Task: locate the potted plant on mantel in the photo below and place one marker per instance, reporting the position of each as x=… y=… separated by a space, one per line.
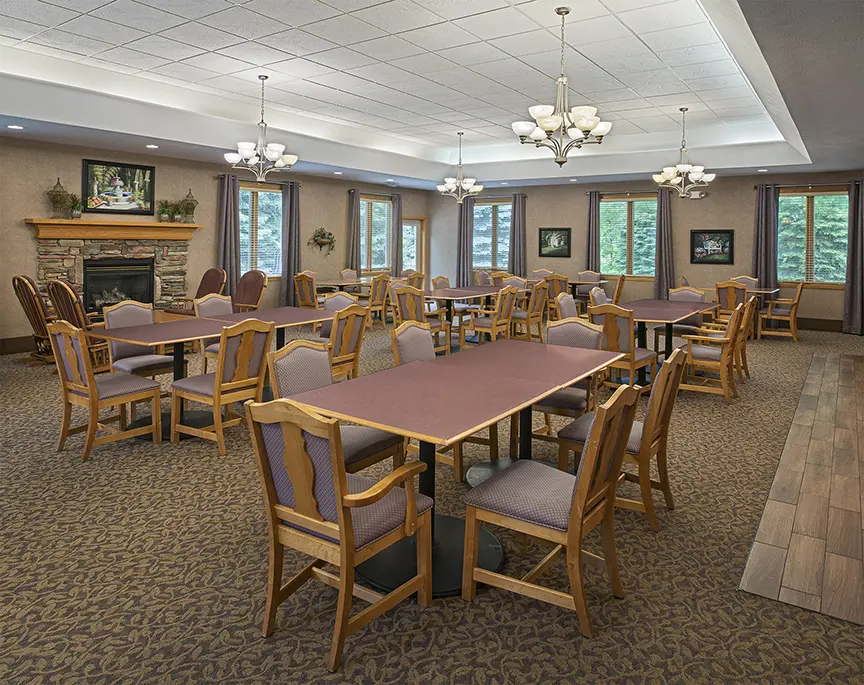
x=75 y=206
x=164 y=210
x=176 y=213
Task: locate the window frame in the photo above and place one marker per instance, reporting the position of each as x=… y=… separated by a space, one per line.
x=255 y=188
x=421 y=240
x=630 y=198
x=810 y=236
x=495 y=228
x=366 y=234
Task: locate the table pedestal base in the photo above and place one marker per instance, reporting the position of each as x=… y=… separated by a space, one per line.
x=484 y=470
x=397 y=564
x=195 y=419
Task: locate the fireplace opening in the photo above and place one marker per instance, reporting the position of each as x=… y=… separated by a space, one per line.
x=109 y=281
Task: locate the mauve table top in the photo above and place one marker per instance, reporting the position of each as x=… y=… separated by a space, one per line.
x=475 y=292
x=446 y=400
x=363 y=280
x=665 y=311
x=281 y=317
x=164 y=333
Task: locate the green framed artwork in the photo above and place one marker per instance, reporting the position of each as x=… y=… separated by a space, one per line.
x=117 y=188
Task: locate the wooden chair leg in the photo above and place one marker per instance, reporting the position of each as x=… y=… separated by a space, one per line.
x=121 y=417
x=514 y=435
x=399 y=457
x=744 y=361
x=563 y=457
x=493 y=441
x=132 y=411
x=274 y=585
x=607 y=537
x=343 y=612
x=577 y=590
x=458 y=467
x=663 y=472
x=175 y=416
x=219 y=430
x=92 y=427
x=461 y=338
x=64 y=425
x=793 y=325
x=156 y=409
x=547 y=420
x=424 y=559
x=540 y=329
x=469 y=557
x=647 y=496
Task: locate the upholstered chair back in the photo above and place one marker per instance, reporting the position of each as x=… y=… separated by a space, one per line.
x=378 y=292
x=505 y=303
x=557 y=285
x=69 y=344
x=242 y=353
x=617 y=323
x=685 y=294
x=730 y=294
x=121 y=315
x=300 y=366
x=333 y=302
x=440 y=283
x=498 y=278
x=684 y=282
x=348 y=274
x=346 y=336
x=250 y=290
x=32 y=304
x=541 y=273
x=409 y=304
x=747 y=281
x=213 y=305
x=537 y=302
x=304 y=289
x=412 y=341
x=584 y=290
x=597 y=296
x=567 y=308
x=415 y=280
x=67 y=304
x=483 y=278
x=516 y=282
x=575 y=332
x=213 y=281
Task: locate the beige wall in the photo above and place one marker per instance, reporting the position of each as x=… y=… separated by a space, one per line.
x=29 y=168
x=729 y=204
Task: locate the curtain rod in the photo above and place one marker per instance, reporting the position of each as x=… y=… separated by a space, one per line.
x=808 y=185
x=219 y=177
x=626 y=192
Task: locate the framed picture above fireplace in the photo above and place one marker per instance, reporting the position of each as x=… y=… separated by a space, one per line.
x=117 y=188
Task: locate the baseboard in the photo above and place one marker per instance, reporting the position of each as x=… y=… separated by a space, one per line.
x=830 y=325
x=17 y=345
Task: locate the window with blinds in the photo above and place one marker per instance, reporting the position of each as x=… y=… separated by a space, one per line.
x=628 y=234
x=812 y=236
x=491 y=246
x=376 y=215
x=261 y=229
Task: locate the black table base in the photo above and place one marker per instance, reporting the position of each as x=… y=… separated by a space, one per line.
x=484 y=470
x=397 y=564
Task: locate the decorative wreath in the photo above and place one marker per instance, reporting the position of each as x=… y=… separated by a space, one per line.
x=322 y=239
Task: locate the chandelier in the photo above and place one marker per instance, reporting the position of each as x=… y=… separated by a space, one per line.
x=262 y=157
x=580 y=124
x=683 y=177
x=460 y=187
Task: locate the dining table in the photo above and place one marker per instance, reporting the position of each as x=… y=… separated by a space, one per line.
x=343 y=283
x=423 y=401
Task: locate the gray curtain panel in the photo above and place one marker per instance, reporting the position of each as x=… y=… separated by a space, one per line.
x=765 y=235
x=853 y=302
x=396 y=234
x=290 y=241
x=228 y=231
x=517 y=261
x=465 y=244
x=352 y=260
x=593 y=250
x=664 y=277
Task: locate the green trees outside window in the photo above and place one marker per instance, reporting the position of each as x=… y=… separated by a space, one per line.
x=491 y=247
x=812 y=235
x=375 y=218
x=261 y=230
x=628 y=235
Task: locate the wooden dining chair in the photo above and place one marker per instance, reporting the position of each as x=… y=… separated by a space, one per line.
x=598 y=296
x=333 y=302
x=729 y=295
x=781 y=309
x=68 y=308
x=619 y=289
x=647 y=441
x=540 y=274
x=689 y=325
x=80 y=387
x=495 y=322
x=482 y=278
x=346 y=340
x=412 y=341
x=717 y=330
x=304 y=365
x=376 y=300
x=567 y=306
x=748 y=281
x=524 y=320
x=498 y=277
x=212 y=282
x=350 y=275
x=619 y=335
x=582 y=291
x=240 y=372
x=314 y=507
x=707 y=354
x=460 y=309
x=305 y=291
x=211 y=306
x=250 y=291
x=535 y=499
x=410 y=305
x=416 y=280
x=36 y=311
x=557 y=284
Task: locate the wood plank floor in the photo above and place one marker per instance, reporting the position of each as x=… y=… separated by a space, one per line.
x=809 y=548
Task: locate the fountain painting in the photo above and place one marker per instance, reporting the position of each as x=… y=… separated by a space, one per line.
x=115 y=188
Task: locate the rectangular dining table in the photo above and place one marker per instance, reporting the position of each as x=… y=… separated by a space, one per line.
x=418 y=401
x=342 y=283
x=282 y=318
x=474 y=292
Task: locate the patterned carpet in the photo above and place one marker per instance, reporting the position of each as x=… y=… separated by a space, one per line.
x=147 y=565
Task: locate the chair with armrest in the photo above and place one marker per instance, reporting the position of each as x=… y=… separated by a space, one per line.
x=68 y=307
x=314 y=507
x=36 y=311
x=706 y=353
x=211 y=306
x=619 y=289
x=250 y=291
x=305 y=292
x=689 y=325
x=495 y=322
x=729 y=295
x=557 y=284
x=498 y=277
x=213 y=281
x=717 y=330
x=376 y=299
x=619 y=335
x=567 y=306
x=80 y=387
x=482 y=278
x=524 y=320
x=304 y=365
x=240 y=372
x=747 y=281
x=781 y=309
x=460 y=309
x=416 y=280
x=346 y=340
x=539 y=500
x=582 y=291
x=540 y=274
x=350 y=275
x=410 y=305
x=333 y=302
x=647 y=440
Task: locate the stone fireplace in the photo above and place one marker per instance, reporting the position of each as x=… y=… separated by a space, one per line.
x=108 y=281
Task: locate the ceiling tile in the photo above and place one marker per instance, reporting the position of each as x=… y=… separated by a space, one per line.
x=163 y=47
x=184 y=72
x=693 y=107
x=293 y=12
x=398 y=15
x=344 y=30
x=439 y=37
x=17 y=28
x=642 y=113
x=694 y=54
x=387 y=48
x=627 y=5
x=140 y=16
x=99 y=29
x=622 y=128
x=678 y=100
x=543 y=11
x=711 y=94
x=733 y=103
x=244 y=23
x=161 y=78
x=50 y=52
x=342 y=58
x=624 y=105
x=191 y=9
x=669 y=15
x=132 y=58
x=426 y=63
x=254 y=53
x=299 y=68
x=70 y=42
x=476 y=53
x=507 y=67
x=218 y=63
x=614 y=95
x=684 y=37
x=709 y=82
x=619 y=66
x=454 y=9
x=528 y=43
x=350 y=5
x=381 y=73
x=202 y=36
x=109 y=66
x=738 y=111
x=79 y=5
x=233 y=84
x=616 y=48
x=36 y=12
x=586 y=31
x=498 y=23
x=297 y=42
x=654 y=124
x=748 y=119
x=722 y=67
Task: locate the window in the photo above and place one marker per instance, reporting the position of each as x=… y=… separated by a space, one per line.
x=412 y=236
x=628 y=234
x=261 y=229
x=375 y=217
x=492 y=235
x=812 y=233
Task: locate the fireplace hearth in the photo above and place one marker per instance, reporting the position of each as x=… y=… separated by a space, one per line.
x=109 y=281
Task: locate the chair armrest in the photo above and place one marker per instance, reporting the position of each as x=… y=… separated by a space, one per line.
x=93 y=315
x=404 y=474
x=246 y=307
x=705 y=338
x=97 y=324
x=781 y=300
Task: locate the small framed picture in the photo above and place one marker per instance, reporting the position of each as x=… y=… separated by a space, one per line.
x=712 y=247
x=117 y=188
x=554 y=242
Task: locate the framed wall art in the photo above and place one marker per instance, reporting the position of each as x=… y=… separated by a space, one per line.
x=712 y=247
x=554 y=242
x=117 y=188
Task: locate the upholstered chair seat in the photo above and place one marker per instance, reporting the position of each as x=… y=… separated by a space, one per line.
x=776 y=310
x=520 y=314
x=117 y=384
x=359 y=442
x=567 y=398
x=212 y=348
x=205 y=384
x=481 y=322
x=708 y=352
x=578 y=430
x=641 y=354
x=144 y=363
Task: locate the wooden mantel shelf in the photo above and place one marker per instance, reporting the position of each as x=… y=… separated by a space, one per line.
x=111 y=230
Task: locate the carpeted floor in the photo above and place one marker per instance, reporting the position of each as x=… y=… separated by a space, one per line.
x=147 y=565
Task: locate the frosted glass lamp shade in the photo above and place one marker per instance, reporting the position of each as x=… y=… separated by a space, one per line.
x=441 y=189
x=575 y=133
x=232 y=157
x=450 y=181
x=538 y=111
x=658 y=178
x=669 y=171
x=245 y=146
x=587 y=123
x=450 y=186
x=247 y=153
x=273 y=155
x=537 y=134
x=697 y=168
x=290 y=159
x=523 y=128
x=583 y=111
x=602 y=128
x=707 y=178
x=279 y=163
x=677 y=179
x=476 y=189
x=696 y=176
x=468 y=182
x=551 y=123
x=683 y=168
x=277 y=147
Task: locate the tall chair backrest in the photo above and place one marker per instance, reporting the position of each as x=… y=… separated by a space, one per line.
x=498 y=278
x=557 y=284
x=212 y=305
x=730 y=294
x=575 y=332
x=213 y=281
x=540 y=274
x=619 y=289
x=33 y=305
x=748 y=319
x=300 y=366
x=537 y=301
x=504 y=304
x=591 y=276
x=69 y=344
x=797 y=299
x=747 y=281
x=597 y=296
x=483 y=278
x=602 y=455
x=409 y=303
x=333 y=302
x=407 y=272
x=127 y=313
x=346 y=339
x=661 y=401
x=684 y=282
x=250 y=291
x=567 y=308
x=67 y=304
x=412 y=341
x=415 y=280
x=348 y=274
x=516 y=282
x=440 y=283
x=378 y=291
x=618 y=330
x=685 y=294
x=305 y=291
x=242 y=359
